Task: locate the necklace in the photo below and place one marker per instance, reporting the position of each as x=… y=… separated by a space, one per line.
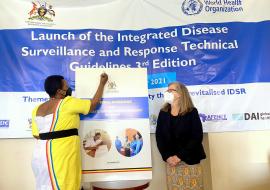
x=53 y=98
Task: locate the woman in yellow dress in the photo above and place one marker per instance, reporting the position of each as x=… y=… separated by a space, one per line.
x=56 y=159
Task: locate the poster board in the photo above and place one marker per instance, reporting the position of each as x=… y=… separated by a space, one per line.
x=121 y=123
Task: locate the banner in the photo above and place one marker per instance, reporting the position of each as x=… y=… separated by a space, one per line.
x=219 y=49
x=116 y=136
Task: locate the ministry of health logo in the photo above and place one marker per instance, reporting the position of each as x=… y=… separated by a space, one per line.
x=111 y=85
x=41 y=11
x=192 y=7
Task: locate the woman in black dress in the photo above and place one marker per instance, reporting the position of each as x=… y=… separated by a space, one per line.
x=179 y=138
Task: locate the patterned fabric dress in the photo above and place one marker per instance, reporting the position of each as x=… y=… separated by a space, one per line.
x=185 y=177
x=56 y=163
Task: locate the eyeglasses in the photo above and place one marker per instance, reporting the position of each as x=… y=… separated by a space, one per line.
x=171 y=90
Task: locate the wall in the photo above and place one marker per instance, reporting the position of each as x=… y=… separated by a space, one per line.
x=236 y=161
x=240 y=160
x=15 y=164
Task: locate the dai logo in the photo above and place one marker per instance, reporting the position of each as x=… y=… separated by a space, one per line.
x=252 y=116
x=41 y=12
x=192 y=7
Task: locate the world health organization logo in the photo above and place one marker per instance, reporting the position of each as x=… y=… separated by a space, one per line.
x=192 y=7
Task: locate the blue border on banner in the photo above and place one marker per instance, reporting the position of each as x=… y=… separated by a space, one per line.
x=120 y=109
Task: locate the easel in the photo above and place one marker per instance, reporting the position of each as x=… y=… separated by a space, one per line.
x=142 y=187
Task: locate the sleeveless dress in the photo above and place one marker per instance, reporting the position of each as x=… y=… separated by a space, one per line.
x=56 y=163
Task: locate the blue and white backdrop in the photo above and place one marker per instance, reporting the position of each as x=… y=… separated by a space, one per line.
x=218 y=48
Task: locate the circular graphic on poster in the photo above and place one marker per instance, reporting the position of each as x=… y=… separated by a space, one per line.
x=97 y=143
x=129 y=143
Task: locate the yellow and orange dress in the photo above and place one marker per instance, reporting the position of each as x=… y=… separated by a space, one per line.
x=56 y=163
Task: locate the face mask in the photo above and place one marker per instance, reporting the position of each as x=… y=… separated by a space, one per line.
x=168 y=97
x=68 y=92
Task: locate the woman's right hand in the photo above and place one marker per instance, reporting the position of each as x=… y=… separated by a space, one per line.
x=98 y=95
x=103 y=78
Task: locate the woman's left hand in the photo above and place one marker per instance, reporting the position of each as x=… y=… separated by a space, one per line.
x=176 y=160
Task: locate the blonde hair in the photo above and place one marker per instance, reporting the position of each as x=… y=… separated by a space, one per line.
x=186 y=104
